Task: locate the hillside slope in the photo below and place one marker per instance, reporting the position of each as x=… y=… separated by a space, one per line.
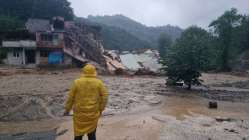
x=144 y=33
x=115 y=38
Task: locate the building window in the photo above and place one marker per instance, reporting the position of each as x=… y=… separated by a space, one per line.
x=56 y=37
x=16 y=54
x=46 y=37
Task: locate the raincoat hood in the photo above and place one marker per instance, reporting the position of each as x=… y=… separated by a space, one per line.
x=89 y=71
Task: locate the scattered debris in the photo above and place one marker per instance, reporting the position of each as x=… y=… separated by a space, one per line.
x=231 y=130
x=213 y=105
x=62 y=132
x=120 y=71
x=136 y=60
x=219 y=119
x=144 y=71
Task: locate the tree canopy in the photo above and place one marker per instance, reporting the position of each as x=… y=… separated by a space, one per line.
x=164 y=42
x=148 y=35
x=188 y=56
x=198 y=50
x=224 y=27
x=9 y=23
x=24 y=9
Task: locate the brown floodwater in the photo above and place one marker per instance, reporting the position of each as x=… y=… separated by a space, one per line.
x=180 y=107
x=139 y=124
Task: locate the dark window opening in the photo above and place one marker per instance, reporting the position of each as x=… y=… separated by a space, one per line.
x=56 y=37
x=30 y=56
x=44 y=53
x=16 y=54
x=46 y=37
x=58 y=24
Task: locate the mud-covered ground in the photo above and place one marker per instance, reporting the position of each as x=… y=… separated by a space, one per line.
x=139 y=108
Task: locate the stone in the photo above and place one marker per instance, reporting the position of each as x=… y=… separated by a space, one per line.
x=219 y=119
x=213 y=105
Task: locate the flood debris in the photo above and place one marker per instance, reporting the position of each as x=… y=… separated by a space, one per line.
x=191 y=128
x=146 y=60
x=145 y=71
x=213 y=105
x=222 y=119
x=62 y=132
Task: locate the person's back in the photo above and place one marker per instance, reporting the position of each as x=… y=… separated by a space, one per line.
x=88 y=97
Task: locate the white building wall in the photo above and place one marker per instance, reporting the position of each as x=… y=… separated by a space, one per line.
x=37 y=57
x=21 y=43
x=14 y=59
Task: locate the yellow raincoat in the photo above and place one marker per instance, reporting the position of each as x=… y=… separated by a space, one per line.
x=88 y=98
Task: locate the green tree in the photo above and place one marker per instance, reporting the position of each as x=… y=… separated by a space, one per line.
x=240 y=36
x=9 y=23
x=164 y=42
x=24 y=9
x=187 y=57
x=224 y=27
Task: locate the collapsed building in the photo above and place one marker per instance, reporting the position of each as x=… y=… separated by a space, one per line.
x=141 y=62
x=56 y=42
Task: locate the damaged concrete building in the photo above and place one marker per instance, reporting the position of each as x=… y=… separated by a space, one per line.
x=41 y=43
x=56 y=42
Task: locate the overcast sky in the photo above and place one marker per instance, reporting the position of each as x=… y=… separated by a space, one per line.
x=161 y=12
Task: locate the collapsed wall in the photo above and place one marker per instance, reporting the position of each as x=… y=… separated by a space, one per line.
x=84 y=43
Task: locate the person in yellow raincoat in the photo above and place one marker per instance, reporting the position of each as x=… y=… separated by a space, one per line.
x=88 y=97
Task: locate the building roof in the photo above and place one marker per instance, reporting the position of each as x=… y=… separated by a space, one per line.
x=38 y=25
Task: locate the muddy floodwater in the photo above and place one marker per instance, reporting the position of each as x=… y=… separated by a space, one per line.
x=180 y=107
x=139 y=108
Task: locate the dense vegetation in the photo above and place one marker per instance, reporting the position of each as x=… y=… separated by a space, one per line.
x=14 y=13
x=24 y=9
x=188 y=56
x=9 y=23
x=198 y=50
x=164 y=42
x=232 y=30
x=115 y=38
x=119 y=39
x=144 y=34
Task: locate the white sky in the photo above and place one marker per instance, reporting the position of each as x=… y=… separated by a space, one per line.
x=161 y=12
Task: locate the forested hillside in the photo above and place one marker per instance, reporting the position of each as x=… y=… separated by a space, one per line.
x=117 y=38
x=24 y=9
x=149 y=35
